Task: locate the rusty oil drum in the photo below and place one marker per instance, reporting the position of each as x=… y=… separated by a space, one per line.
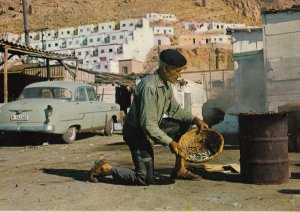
x=263 y=141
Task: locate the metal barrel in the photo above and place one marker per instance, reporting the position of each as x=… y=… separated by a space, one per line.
x=264 y=148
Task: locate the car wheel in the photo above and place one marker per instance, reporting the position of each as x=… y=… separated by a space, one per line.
x=70 y=135
x=109 y=127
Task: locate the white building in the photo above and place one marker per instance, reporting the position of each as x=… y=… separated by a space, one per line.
x=162 y=40
x=106 y=27
x=165 y=30
x=65 y=32
x=158 y=16
x=129 y=24
x=86 y=29
x=143 y=41
x=225 y=39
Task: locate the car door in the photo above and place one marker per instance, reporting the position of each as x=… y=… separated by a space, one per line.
x=99 y=109
x=84 y=107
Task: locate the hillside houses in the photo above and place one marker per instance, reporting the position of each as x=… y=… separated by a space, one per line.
x=100 y=47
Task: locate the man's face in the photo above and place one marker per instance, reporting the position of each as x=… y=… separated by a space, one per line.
x=172 y=73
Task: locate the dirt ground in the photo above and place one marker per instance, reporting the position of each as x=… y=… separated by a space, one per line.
x=55 y=177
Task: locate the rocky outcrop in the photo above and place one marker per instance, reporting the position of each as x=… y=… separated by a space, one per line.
x=252 y=8
x=248 y=8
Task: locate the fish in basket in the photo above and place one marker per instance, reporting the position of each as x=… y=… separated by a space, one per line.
x=201 y=146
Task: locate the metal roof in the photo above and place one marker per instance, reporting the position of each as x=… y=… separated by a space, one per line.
x=18 y=49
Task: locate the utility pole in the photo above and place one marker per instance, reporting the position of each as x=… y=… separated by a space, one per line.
x=26 y=31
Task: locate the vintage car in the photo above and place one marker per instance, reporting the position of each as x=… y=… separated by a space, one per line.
x=58 y=108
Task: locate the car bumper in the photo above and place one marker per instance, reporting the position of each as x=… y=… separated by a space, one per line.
x=28 y=128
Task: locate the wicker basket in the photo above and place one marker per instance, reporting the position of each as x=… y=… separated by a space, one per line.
x=201 y=146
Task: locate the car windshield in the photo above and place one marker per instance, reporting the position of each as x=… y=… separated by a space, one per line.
x=46 y=93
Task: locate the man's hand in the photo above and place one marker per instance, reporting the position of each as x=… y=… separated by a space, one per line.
x=177 y=149
x=202 y=126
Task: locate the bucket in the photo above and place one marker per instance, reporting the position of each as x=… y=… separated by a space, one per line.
x=264 y=148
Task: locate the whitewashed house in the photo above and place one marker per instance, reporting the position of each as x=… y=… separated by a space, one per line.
x=106 y=27
x=142 y=43
x=225 y=39
x=65 y=32
x=217 y=26
x=86 y=29
x=129 y=24
x=163 y=30
x=158 y=16
x=162 y=40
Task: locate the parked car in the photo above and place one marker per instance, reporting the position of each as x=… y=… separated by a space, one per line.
x=59 y=108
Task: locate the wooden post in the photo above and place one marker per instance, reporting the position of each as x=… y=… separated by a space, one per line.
x=5 y=76
x=48 y=69
x=76 y=71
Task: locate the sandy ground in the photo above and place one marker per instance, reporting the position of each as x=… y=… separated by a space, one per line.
x=55 y=177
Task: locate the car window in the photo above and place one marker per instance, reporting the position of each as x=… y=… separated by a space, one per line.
x=46 y=92
x=91 y=94
x=62 y=93
x=80 y=95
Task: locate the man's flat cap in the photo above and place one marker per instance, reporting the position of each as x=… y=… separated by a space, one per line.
x=172 y=57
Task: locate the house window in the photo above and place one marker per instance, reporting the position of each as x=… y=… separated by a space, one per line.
x=88 y=29
x=220 y=39
x=78 y=53
x=81 y=30
x=62 y=33
x=105 y=66
x=95 y=61
x=49 y=45
x=36 y=46
x=121 y=36
x=102 y=27
x=113 y=37
x=49 y=34
x=102 y=51
x=68 y=32
x=102 y=59
x=56 y=44
x=98 y=39
x=86 y=53
x=131 y=24
x=30 y=37
x=77 y=42
x=70 y=42
x=110 y=50
x=109 y=26
x=123 y=25
x=91 y=40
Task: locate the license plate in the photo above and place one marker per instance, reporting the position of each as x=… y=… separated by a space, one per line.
x=22 y=117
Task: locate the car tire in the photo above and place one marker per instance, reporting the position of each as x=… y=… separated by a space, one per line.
x=70 y=135
x=109 y=127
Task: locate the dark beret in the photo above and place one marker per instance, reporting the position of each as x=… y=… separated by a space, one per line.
x=172 y=57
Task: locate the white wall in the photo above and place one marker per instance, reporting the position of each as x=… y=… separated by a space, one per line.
x=142 y=43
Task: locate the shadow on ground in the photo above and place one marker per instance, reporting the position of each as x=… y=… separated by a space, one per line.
x=290 y=191
x=161 y=175
x=35 y=139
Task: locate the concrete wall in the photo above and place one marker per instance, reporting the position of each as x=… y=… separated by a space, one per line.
x=282 y=58
x=132 y=66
